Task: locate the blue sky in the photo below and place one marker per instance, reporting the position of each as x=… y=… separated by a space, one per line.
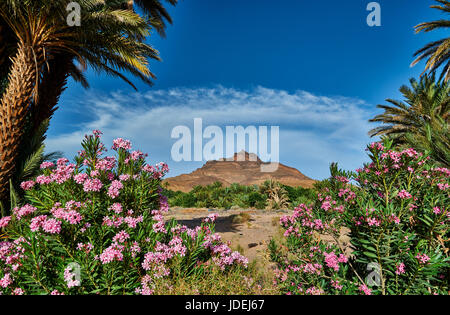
x=314 y=68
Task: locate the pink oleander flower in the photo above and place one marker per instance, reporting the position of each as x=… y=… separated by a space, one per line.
x=114 y=189
x=373 y=222
x=335 y=284
x=97 y=133
x=331 y=260
x=395 y=219
x=326 y=206
x=87 y=248
x=18 y=291
x=422 y=258
x=365 y=289
x=342 y=258
x=70 y=278
x=116 y=207
x=94 y=173
x=27 y=185
x=106 y=164
x=120 y=143
x=121 y=237
x=437 y=210
x=4 y=222
x=400 y=269
x=404 y=195
x=124 y=177
x=37 y=222
x=56 y=292
x=6 y=281
x=44 y=180
x=24 y=211
x=46 y=165
x=132 y=222
x=94 y=184
x=211 y=218
x=112 y=253
x=52 y=226
x=137 y=155
x=135 y=249
x=80 y=178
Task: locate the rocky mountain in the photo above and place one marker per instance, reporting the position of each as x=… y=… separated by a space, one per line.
x=244 y=169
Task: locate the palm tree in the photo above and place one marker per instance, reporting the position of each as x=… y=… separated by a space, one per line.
x=155 y=11
x=421 y=121
x=277 y=196
x=31 y=155
x=110 y=40
x=437 y=53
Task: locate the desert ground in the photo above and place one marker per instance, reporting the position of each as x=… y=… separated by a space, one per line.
x=248 y=230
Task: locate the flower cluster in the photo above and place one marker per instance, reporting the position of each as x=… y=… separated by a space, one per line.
x=106 y=214
x=392 y=214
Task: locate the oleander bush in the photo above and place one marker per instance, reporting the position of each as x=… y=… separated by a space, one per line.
x=395 y=211
x=96 y=226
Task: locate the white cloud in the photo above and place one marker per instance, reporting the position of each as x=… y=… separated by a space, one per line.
x=314 y=130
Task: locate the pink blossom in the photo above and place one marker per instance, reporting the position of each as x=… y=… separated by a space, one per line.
x=52 y=226
x=114 y=189
x=6 y=281
x=45 y=165
x=132 y=222
x=442 y=186
x=43 y=180
x=404 y=195
x=422 y=258
x=120 y=143
x=365 y=289
x=331 y=260
x=18 y=291
x=70 y=278
x=400 y=269
x=121 y=237
x=326 y=206
x=116 y=207
x=437 y=210
x=80 y=178
x=211 y=218
x=37 y=222
x=373 y=222
x=106 y=164
x=94 y=184
x=112 y=253
x=24 y=211
x=4 y=221
x=27 y=185
x=124 y=177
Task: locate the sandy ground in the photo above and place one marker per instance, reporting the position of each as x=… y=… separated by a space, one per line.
x=252 y=236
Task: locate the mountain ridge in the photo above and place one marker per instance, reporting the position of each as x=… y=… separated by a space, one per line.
x=243 y=168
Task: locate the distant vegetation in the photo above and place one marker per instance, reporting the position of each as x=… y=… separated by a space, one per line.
x=271 y=195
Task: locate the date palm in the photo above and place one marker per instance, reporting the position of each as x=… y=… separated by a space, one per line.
x=277 y=196
x=48 y=51
x=421 y=120
x=155 y=11
x=436 y=53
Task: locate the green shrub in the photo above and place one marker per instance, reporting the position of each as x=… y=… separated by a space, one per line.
x=97 y=227
x=396 y=213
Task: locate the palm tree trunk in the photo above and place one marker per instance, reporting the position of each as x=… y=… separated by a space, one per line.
x=2 y=46
x=52 y=85
x=14 y=107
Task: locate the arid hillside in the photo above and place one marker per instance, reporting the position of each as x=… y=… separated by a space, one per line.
x=244 y=169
